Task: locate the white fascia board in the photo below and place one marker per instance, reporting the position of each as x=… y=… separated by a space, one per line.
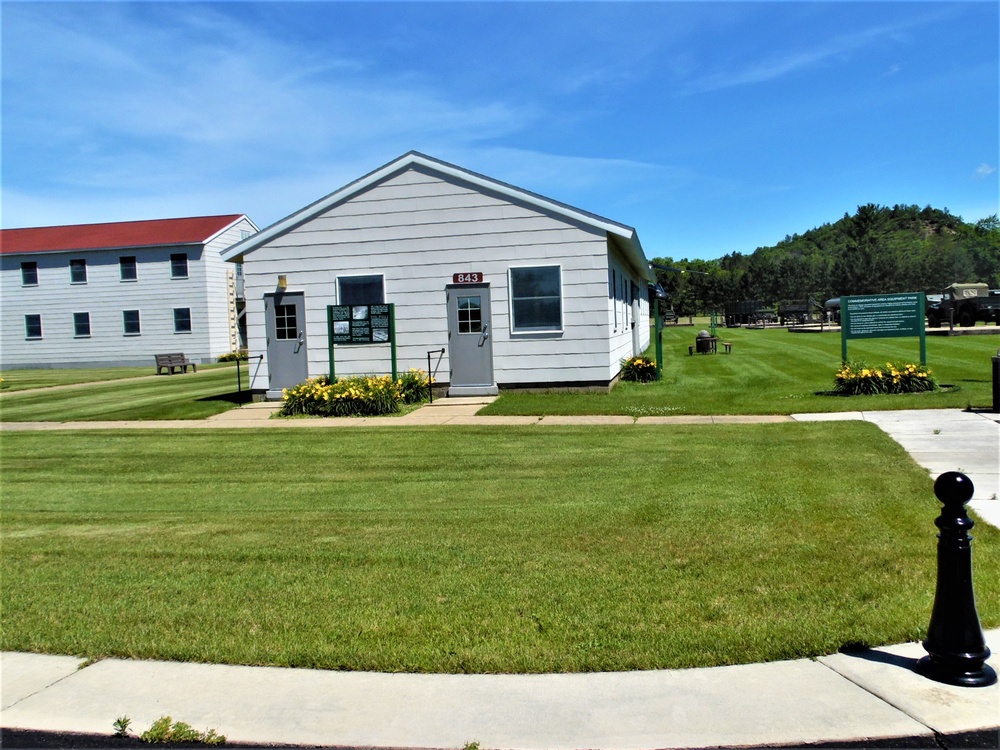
x=230 y=226
x=414 y=158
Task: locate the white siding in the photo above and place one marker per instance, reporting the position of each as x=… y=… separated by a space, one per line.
x=418 y=228
x=105 y=296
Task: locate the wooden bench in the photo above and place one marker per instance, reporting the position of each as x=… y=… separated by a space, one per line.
x=171 y=362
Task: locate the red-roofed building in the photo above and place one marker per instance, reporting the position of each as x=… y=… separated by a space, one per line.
x=116 y=294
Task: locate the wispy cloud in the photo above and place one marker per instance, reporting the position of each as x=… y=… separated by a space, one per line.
x=129 y=99
x=770 y=66
x=985 y=170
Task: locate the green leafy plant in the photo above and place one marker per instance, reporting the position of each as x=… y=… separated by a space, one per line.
x=414 y=385
x=240 y=354
x=638 y=370
x=121 y=726
x=356 y=396
x=859 y=379
x=165 y=730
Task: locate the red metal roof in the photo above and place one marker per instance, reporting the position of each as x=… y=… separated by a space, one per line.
x=194 y=230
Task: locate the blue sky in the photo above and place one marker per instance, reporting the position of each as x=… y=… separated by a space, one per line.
x=711 y=127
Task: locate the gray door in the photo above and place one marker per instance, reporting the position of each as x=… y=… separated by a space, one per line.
x=470 y=344
x=287 y=356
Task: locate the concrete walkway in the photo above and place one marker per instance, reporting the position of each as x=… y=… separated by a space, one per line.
x=839 y=697
x=834 y=698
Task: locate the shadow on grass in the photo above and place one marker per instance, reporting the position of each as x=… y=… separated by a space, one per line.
x=234 y=397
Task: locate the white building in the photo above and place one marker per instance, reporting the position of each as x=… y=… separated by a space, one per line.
x=517 y=289
x=117 y=294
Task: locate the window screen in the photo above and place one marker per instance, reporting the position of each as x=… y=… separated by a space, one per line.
x=81 y=324
x=29 y=273
x=78 y=271
x=130 y=322
x=361 y=290
x=179 y=266
x=127 y=268
x=32 y=326
x=182 y=320
x=536 y=298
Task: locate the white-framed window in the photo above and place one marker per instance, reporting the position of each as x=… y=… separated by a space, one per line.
x=32 y=326
x=29 y=273
x=535 y=299
x=361 y=290
x=127 y=268
x=81 y=325
x=130 y=323
x=182 y=320
x=78 y=271
x=178 y=265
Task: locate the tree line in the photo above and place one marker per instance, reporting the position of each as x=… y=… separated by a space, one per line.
x=878 y=250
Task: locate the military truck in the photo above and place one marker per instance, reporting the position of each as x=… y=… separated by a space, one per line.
x=965 y=304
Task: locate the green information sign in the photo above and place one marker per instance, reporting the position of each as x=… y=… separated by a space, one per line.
x=883 y=316
x=361 y=324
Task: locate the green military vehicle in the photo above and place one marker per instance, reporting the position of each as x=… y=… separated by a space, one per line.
x=965 y=305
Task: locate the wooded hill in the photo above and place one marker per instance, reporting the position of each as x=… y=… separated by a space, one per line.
x=877 y=250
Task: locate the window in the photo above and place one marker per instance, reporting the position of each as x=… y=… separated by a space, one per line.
x=182 y=320
x=470 y=315
x=536 y=299
x=130 y=322
x=81 y=324
x=286 y=325
x=178 y=265
x=78 y=271
x=32 y=326
x=29 y=273
x=361 y=290
x=612 y=290
x=127 y=270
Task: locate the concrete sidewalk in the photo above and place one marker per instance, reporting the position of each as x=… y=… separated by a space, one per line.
x=839 y=697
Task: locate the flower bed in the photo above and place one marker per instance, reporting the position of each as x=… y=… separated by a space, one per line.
x=356 y=396
x=638 y=370
x=859 y=378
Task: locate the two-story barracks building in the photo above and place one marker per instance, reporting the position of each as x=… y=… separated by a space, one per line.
x=117 y=294
x=518 y=290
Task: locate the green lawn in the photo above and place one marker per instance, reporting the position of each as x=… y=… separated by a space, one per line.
x=471 y=549
x=211 y=390
x=775 y=372
x=19 y=380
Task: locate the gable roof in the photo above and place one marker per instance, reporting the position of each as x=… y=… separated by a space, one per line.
x=196 y=230
x=625 y=237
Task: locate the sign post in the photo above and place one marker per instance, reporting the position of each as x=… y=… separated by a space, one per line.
x=883 y=316
x=361 y=324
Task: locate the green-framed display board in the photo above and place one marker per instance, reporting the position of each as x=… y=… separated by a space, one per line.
x=355 y=325
x=883 y=316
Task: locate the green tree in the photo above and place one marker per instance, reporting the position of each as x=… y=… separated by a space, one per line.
x=866 y=266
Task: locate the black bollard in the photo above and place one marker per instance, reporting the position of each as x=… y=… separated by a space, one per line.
x=956 y=648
